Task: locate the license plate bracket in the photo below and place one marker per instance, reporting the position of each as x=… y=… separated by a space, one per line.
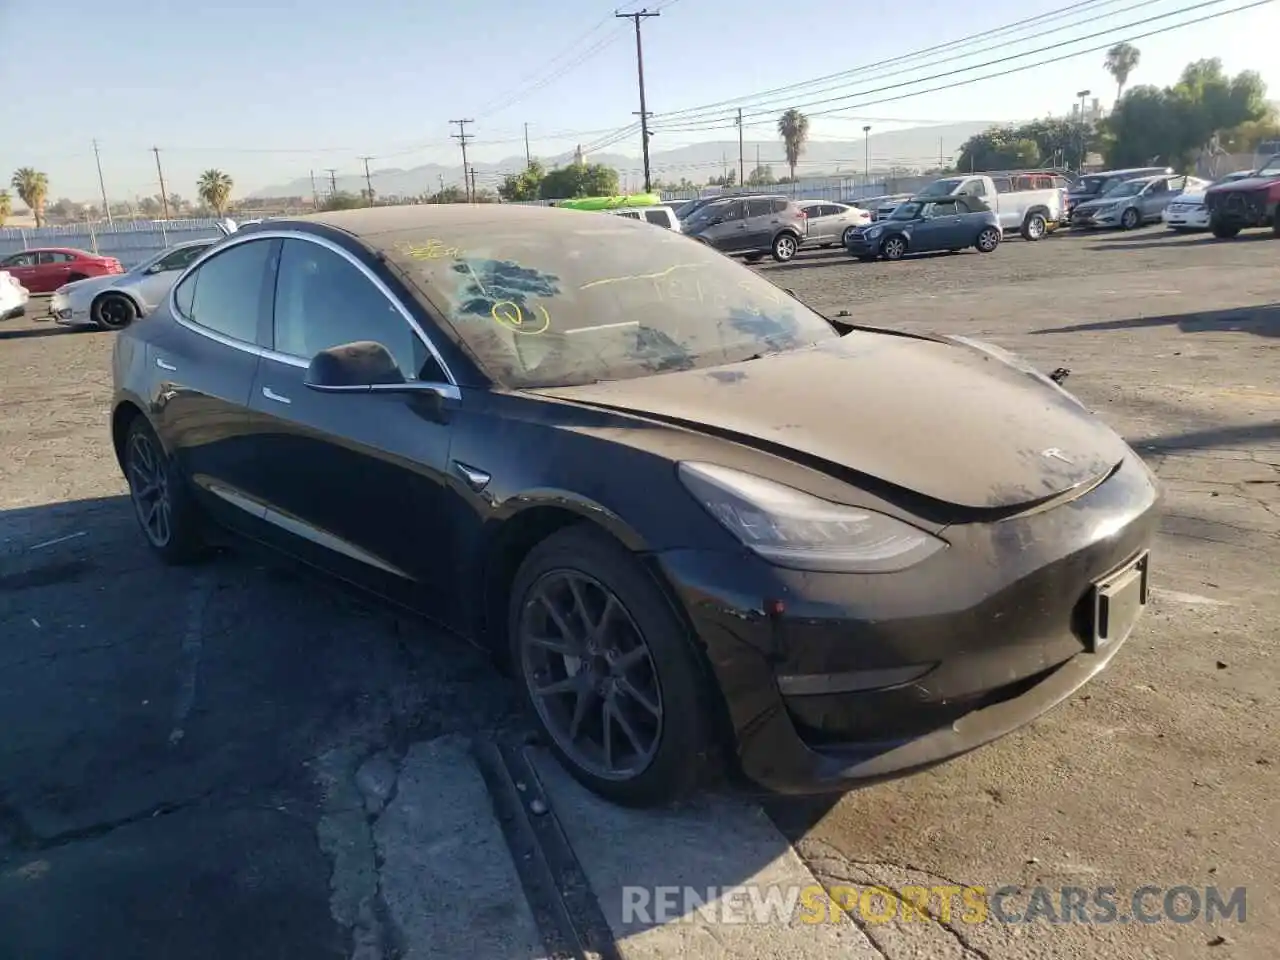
x=1118 y=602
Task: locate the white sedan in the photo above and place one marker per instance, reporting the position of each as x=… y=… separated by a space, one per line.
x=13 y=296
x=1188 y=211
x=828 y=222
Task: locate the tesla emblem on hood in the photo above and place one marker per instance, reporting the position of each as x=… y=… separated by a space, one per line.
x=1055 y=454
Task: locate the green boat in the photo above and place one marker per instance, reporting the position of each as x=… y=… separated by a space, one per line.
x=612 y=203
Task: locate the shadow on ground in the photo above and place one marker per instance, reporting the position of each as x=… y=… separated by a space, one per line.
x=1261 y=321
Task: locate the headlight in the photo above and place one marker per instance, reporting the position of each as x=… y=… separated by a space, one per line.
x=873 y=233
x=1019 y=364
x=792 y=529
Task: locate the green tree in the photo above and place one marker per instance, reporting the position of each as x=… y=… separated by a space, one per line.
x=6 y=206
x=214 y=190
x=342 y=200
x=32 y=187
x=1122 y=60
x=761 y=176
x=579 y=180
x=999 y=148
x=793 y=128
x=525 y=185
x=724 y=180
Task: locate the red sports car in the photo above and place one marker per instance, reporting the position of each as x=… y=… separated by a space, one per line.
x=46 y=269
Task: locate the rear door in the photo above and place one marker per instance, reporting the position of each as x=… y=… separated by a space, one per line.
x=54 y=268
x=154 y=286
x=22 y=266
x=1153 y=198
x=204 y=367
x=356 y=483
x=761 y=223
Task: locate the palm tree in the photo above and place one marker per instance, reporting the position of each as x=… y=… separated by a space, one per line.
x=793 y=127
x=33 y=188
x=214 y=189
x=6 y=206
x=1121 y=61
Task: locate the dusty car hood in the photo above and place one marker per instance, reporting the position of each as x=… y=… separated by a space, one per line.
x=944 y=421
x=1252 y=183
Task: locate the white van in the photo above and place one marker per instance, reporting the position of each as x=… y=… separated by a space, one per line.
x=662 y=216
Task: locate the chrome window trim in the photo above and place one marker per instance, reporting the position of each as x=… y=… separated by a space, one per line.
x=260 y=351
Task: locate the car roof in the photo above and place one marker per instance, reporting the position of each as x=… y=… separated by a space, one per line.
x=85 y=253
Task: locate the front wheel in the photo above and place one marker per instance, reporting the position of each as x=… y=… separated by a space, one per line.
x=608 y=670
x=114 y=311
x=894 y=248
x=1224 y=231
x=844 y=238
x=168 y=517
x=1130 y=219
x=1034 y=227
x=988 y=240
x=784 y=247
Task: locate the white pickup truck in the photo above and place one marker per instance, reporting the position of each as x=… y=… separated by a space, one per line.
x=1033 y=202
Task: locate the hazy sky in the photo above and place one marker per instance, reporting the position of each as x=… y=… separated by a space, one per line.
x=269 y=90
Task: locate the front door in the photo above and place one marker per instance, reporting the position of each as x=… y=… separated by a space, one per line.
x=730 y=233
x=940 y=229
x=354 y=483
x=160 y=276
x=203 y=369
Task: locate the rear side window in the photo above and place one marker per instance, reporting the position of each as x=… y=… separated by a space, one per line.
x=225 y=294
x=659 y=217
x=780 y=205
x=760 y=207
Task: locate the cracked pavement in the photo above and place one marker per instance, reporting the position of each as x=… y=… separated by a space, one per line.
x=240 y=760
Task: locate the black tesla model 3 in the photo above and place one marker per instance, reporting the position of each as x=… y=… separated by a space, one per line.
x=700 y=521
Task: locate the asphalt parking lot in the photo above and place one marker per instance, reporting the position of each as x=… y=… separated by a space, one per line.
x=239 y=760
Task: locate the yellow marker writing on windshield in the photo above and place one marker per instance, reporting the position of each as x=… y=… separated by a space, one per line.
x=508 y=314
x=433 y=249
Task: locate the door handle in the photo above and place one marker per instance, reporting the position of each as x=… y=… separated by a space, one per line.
x=272 y=395
x=164 y=364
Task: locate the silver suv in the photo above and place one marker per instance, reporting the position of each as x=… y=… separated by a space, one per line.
x=752 y=226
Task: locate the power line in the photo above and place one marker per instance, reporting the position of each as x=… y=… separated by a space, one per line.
x=1054 y=48
x=929 y=53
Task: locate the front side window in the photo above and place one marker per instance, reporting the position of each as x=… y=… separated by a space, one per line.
x=179 y=259
x=20 y=260
x=589 y=299
x=225 y=293
x=323 y=300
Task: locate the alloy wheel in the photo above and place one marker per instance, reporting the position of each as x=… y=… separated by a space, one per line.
x=590 y=675
x=894 y=248
x=149 y=490
x=114 y=312
x=1035 y=228
x=1130 y=219
x=987 y=240
x=784 y=248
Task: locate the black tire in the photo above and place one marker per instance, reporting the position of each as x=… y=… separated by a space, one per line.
x=866 y=259
x=185 y=542
x=987 y=240
x=1131 y=219
x=753 y=257
x=684 y=748
x=1224 y=231
x=785 y=247
x=893 y=247
x=113 y=311
x=1034 y=227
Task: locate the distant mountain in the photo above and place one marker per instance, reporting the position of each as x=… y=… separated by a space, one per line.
x=910 y=148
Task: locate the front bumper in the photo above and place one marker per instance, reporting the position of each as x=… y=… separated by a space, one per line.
x=859 y=246
x=1095 y=218
x=67 y=313
x=862 y=678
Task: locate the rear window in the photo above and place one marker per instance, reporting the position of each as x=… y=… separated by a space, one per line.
x=540 y=304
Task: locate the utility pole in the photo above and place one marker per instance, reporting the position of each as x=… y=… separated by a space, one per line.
x=644 y=111
x=866 y=154
x=742 y=167
x=473 y=185
x=164 y=194
x=440 y=195
x=368 y=180
x=333 y=181
x=1082 y=94
x=106 y=207
x=528 y=156
x=315 y=194
x=463 y=137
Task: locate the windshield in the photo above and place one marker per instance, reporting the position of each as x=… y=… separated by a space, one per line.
x=1125 y=188
x=940 y=188
x=907 y=211
x=605 y=299
x=707 y=212
x=1271 y=168
x=688 y=207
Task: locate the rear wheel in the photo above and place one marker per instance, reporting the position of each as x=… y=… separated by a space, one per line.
x=608 y=670
x=1034 y=227
x=1224 y=231
x=988 y=240
x=114 y=311
x=844 y=239
x=785 y=247
x=1130 y=219
x=893 y=248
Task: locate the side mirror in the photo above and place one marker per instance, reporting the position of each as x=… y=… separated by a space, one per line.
x=354 y=367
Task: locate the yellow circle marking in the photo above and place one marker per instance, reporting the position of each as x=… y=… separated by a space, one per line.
x=507 y=314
